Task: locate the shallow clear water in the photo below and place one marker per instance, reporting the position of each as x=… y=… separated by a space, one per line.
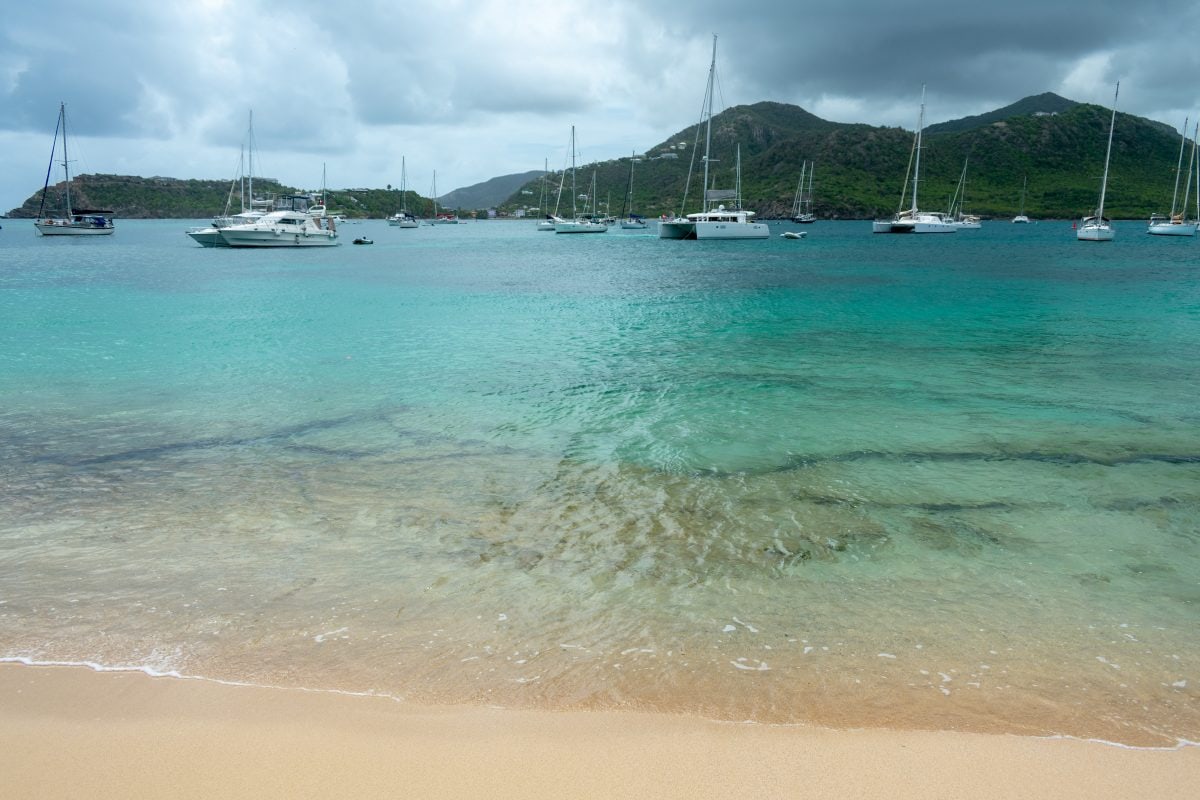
x=943 y=482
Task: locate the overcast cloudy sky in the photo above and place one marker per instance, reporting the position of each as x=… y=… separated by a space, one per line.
x=479 y=89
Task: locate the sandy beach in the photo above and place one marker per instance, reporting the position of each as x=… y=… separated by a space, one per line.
x=71 y=732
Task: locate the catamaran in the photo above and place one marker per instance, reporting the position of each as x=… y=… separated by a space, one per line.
x=912 y=220
x=715 y=221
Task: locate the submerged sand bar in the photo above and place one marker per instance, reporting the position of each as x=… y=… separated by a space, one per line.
x=72 y=732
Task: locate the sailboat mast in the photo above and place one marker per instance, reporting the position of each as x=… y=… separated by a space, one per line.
x=1188 y=187
x=1108 y=153
x=1178 y=167
x=917 y=164
x=403 y=187
x=62 y=110
x=250 y=151
x=574 y=191
x=708 y=101
x=808 y=201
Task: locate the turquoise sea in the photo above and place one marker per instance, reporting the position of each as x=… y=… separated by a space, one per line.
x=946 y=482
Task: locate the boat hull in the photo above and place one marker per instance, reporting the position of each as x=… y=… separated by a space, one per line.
x=731 y=230
x=912 y=226
x=270 y=238
x=208 y=237
x=1020 y=219
x=579 y=226
x=1172 y=229
x=677 y=229
x=1095 y=233
x=59 y=228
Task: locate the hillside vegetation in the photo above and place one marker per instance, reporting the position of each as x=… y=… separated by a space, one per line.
x=860 y=170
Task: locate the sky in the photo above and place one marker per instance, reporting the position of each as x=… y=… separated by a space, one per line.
x=479 y=89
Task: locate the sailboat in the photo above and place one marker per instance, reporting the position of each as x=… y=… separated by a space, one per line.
x=802 y=204
x=1175 y=224
x=578 y=224
x=211 y=236
x=714 y=222
x=75 y=221
x=912 y=220
x=955 y=213
x=631 y=221
x=403 y=219
x=1096 y=228
x=1021 y=218
x=547 y=222
x=440 y=219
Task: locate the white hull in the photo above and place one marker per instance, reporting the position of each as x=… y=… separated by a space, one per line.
x=921 y=224
x=731 y=230
x=545 y=225
x=403 y=223
x=281 y=229
x=209 y=237
x=236 y=238
x=579 y=226
x=1021 y=219
x=1172 y=229
x=677 y=229
x=1095 y=233
x=636 y=225
x=61 y=228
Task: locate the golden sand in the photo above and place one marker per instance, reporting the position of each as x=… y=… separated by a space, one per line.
x=71 y=732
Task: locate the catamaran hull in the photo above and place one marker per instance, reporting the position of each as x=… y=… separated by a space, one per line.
x=732 y=230
x=676 y=229
x=905 y=226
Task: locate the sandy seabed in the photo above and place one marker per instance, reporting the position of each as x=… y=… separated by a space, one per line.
x=72 y=732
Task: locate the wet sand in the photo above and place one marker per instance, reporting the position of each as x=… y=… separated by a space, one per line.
x=70 y=732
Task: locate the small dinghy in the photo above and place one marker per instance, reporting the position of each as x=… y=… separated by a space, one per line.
x=364 y=240
x=794 y=234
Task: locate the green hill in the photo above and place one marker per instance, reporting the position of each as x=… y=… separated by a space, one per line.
x=489 y=193
x=860 y=169
x=132 y=197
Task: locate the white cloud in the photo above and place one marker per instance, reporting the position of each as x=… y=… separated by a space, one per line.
x=478 y=89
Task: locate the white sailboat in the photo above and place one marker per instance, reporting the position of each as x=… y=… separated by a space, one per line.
x=955 y=213
x=440 y=219
x=403 y=219
x=244 y=182
x=1021 y=218
x=1096 y=228
x=75 y=221
x=802 y=203
x=912 y=220
x=546 y=223
x=578 y=224
x=1176 y=224
x=629 y=220
x=714 y=222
